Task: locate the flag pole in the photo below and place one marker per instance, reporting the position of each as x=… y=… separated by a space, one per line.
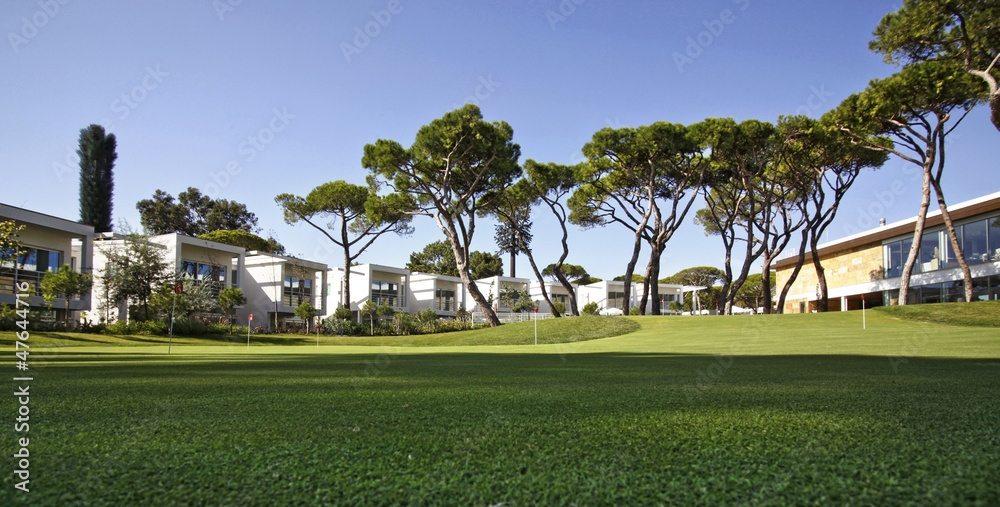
x=864 y=321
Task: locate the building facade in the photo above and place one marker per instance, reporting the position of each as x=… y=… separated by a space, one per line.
x=869 y=265
x=275 y=287
x=49 y=242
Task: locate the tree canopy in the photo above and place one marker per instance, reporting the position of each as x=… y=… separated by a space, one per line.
x=452 y=170
x=437 y=258
x=965 y=32
x=193 y=214
x=245 y=240
x=97 y=162
x=357 y=217
x=10 y=246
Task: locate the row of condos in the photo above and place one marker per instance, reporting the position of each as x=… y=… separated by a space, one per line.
x=413 y=292
x=274 y=285
x=868 y=266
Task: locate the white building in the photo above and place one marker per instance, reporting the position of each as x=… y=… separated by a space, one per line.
x=380 y=284
x=445 y=294
x=195 y=261
x=611 y=294
x=275 y=287
x=49 y=242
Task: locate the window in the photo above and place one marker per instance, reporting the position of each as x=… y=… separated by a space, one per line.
x=950 y=259
x=616 y=300
x=296 y=291
x=30 y=267
x=975 y=242
x=994 y=243
x=444 y=300
x=386 y=293
x=930 y=252
x=894 y=257
x=953 y=292
x=980 y=289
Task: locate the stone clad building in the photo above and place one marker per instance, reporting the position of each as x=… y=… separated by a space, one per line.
x=869 y=264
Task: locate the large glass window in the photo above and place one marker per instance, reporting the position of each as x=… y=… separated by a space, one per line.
x=994 y=245
x=386 y=293
x=994 y=287
x=29 y=267
x=980 y=289
x=975 y=242
x=953 y=292
x=296 y=291
x=950 y=258
x=930 y=252
x=616 y=300
x=894 y=257
x=444 y=300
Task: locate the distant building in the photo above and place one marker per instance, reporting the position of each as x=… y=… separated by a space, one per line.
x=870 y=264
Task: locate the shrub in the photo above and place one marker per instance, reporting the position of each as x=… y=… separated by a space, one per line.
x=559 y=307
x=148 y=328
x=342 y=313
x=634 y=311
x=589 y=309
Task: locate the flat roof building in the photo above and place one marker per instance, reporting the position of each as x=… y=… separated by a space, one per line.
x=869 y=264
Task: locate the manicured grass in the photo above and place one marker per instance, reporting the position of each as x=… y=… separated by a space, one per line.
x=549 y=331
x=798 y=409
x=976 y=313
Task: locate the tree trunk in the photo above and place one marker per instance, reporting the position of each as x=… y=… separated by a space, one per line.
x=953 y=237
x=541 y=284
x=995 y=110
x=823 y=304
x=918 y=232
x=513 y=270
x=765 y=285
x=627 y=297
x=574 y=310
x=654 y=285
x=795 y=271
x=346 y=296
x=462 y=263
x=645 y=288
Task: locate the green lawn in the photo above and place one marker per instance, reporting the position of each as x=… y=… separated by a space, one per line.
x=797 y=409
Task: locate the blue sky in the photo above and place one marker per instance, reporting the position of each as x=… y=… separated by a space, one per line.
x=247 y=99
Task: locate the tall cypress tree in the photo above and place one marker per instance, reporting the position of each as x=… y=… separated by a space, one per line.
x=97 y=162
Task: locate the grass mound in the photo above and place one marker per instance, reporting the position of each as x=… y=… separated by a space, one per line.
x=550 y=331
x=976 y=313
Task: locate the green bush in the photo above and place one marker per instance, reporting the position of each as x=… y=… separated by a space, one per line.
x=148 y=328
x=342 y=313
x=634 y=311
x=337 y=327
x=589 y=309
x=559 y=307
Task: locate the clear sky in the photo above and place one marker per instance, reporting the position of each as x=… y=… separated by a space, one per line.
x=286 y=94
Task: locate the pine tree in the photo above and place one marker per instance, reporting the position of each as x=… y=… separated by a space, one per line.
x=97 y=161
